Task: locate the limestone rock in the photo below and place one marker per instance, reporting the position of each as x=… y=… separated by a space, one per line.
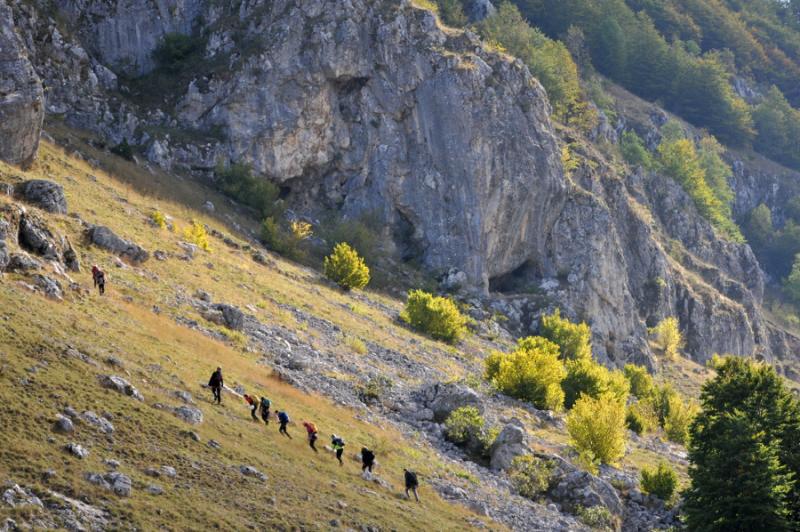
x=77 y=450
x=21 y=96
x=49 y=286
x=120 y=385
x=509 y=444
x=18 y=496
x=46 y=195
x=105 y=238
x=190 y=414
x=63 y=425
x=100 y=423
x=22 y=262
x=4 y=256
x=250 y=471
x=444 y=398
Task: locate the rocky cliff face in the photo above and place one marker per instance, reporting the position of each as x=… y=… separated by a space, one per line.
x=371 y=107
x=21 y=97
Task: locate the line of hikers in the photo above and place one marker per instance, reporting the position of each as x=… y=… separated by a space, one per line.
x=263 y=405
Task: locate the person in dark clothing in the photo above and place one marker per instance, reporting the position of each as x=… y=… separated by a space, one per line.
x=99 y=278
x=312 y=434
x=283 y=419
x=412 y=483
x=250 y=400
x=367 y=459
x=338 y=445
x=216 y=383
x=265 y=404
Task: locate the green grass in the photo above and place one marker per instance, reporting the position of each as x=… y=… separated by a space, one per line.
x=209 y=489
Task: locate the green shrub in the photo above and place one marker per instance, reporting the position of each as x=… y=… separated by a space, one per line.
x=273 y=236
x=660 y=481
x=792 y=283
x=533 y=372
x=530 y=476
x=464 y=425
x=574 y=339
x=640 y=380
x=634 y=151
x=598 y=518
x=124 y=150
x=360 y=234
x=452 y=13
x=596 y=428
x=158 y=219
x=374 y=389
x=641 y=418
x=679 y=419
x=346 y=268
x=585 y=376
x=174 y=49
x=668 y=337
x=197 y=235
x=437 y=316
x=238 y=182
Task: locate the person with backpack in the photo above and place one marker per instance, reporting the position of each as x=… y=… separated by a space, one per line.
x=99 y=278
x=216 y=383
x=265 y=404
x=312 y=434
x=412 y=483
x=367 y=459
x=338 y=445
x=250 y=400
x=283 y=420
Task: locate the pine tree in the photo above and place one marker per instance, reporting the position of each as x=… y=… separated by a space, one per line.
x=744 y=452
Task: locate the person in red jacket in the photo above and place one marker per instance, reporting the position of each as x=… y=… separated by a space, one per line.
x=312 y=434
x=99 y=278
x=253 y=405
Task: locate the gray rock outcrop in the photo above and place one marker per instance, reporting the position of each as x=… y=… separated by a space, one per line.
x=443 y=398
x=190 y=414
x=118 y=384
x=21 y=95
x=44 y=194
x=105 y=238
x=509 y=444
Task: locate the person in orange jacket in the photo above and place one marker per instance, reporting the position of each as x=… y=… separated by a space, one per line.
x=253 y=405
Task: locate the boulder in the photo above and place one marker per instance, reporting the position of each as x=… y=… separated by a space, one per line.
x=21 y=96
x=46 y=195
x=49 y=286
x=509 y=444
x=37 y=238
x=114 y=481
x=234 y=318
x=250 y=471
x=112 y=382
x=571 y=487
x=190 y=414
x=63 y=425
x=18 y=496
x=22 y=262
x=104 y=238
x=4 y=256
x=444 y=398
x=77 y=450
x=98 y=422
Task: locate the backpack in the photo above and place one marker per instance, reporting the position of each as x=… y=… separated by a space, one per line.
x=283 y=417
x=338 y=442
x=411 y=478
x=312 y=427
x=265 y=403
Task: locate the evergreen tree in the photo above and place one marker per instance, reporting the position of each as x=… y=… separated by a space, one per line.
x=744 y=452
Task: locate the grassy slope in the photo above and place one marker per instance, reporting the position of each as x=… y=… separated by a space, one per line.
x=209 y=488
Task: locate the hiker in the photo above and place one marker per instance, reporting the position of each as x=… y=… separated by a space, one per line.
x=253 y=405
x=367 y=459
x=411 y=483
x=265 y=404
x=312 y=434
x=216 y=383
x=283 y=419
x=99 y=278
x=338 y=445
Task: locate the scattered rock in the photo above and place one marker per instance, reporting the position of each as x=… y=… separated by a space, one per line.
x=50 y=287
x=113 y=464
x=63 y=425
x=214 y=444
x=37 y=238
x=114 y=481
x=192 y=435
x=153 y=489
x=443 y=398
x=509 y=444
x=160 y=255
x=250 y=471
x=18 y=496
x=104 y=238
x=77 y=450
x=152 y=472
x=189 y=414
x=120 y=385
x=169 y=471
x=184 y=396
x=44 y=194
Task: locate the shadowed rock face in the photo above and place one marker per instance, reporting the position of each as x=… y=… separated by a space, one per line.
x=21 y=96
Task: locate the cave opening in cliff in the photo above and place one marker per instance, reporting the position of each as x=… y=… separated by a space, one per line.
x=520 y=280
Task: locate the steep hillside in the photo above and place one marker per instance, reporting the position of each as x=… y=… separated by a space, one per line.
x=311 y=348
